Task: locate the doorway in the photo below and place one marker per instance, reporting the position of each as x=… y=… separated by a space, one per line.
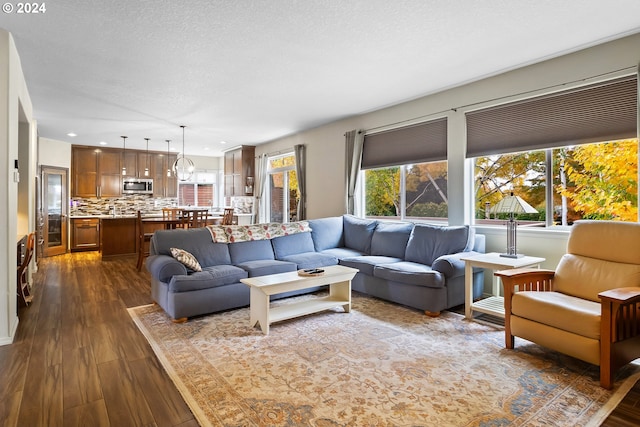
x=54 y=210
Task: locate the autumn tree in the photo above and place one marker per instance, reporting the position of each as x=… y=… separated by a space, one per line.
x=520 y=173
x=603 y=180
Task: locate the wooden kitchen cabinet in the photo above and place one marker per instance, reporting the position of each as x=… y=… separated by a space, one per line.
x=95 y=172
x=238 y=165
x=85 y=234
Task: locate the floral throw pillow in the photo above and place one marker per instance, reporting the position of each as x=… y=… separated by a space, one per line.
x=186 y=258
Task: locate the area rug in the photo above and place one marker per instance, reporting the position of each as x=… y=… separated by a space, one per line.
x=382 y=364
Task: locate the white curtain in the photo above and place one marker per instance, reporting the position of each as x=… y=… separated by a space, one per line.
x=301 y=173
x=260 y=187
x=354 y=141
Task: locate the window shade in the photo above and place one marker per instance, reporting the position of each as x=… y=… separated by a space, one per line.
x=595 y=113
x=425 y=142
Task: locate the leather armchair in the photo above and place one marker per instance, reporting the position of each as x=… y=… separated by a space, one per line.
x=589 y=307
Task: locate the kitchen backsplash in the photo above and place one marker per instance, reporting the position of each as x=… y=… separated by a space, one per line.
x=130 y=204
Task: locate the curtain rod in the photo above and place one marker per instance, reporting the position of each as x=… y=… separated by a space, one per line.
x=455 y=109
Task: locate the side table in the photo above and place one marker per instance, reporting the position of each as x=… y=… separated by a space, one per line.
x=494 y=304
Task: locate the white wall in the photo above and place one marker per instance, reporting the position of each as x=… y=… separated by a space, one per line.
x=326 y=153
x=18 y=141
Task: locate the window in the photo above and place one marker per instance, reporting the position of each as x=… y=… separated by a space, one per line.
x=282 y=191
x=199 y=192
x=408 y=191
x=405 y=171
x=571 y=154
x=588 y=181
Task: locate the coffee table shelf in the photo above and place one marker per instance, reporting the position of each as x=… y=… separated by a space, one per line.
x=302 y=308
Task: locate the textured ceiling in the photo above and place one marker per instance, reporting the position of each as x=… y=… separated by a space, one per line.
x=250 y=71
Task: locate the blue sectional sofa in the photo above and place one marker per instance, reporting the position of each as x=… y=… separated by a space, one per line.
x=417 y=265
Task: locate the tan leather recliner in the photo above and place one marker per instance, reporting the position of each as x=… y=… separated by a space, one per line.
x=589 y=307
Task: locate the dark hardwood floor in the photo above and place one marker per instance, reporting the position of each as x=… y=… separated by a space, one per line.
x=79 y=360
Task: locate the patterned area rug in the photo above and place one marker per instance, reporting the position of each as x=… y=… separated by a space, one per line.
x=380 y=365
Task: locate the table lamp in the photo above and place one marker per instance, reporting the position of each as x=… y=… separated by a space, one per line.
x=512 y=205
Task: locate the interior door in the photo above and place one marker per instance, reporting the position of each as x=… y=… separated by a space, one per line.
x=55 y=210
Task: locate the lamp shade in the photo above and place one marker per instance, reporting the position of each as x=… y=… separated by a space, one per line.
x=513 y=204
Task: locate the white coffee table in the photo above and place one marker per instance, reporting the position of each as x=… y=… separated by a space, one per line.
x=338 y=278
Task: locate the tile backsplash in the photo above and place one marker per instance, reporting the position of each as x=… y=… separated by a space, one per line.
x=130 y=204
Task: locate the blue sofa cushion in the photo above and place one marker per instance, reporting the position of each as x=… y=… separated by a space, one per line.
x=390 y=239
x=358 y=233
x=250 y=251
x=264 y=267
x=196 y=241
x=292 y=244
x=411 y=273
x=428 y=242
x=311 y=260
x=327 y=232
x=341 y=253
x=209 y=277
x=366 y=264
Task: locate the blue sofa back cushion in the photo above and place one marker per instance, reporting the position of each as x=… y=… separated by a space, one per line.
x=196 y=241
x=252 y=250
x=390 y=239
x=358 y=233
x=292 y=244
x=428 y=242
x=327 y=233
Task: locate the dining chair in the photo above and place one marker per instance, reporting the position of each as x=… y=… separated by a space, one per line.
x=174 y=214
x=196 y=218
x=23 y=272
x=227 y=217
x=143 y=241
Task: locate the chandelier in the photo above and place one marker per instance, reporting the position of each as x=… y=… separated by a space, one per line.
x=183 y=167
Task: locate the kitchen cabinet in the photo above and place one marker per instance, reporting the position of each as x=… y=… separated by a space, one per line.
x=118 y=236
x=239 y=164
x=95 y=172
x=85 y=234
x=163 y=185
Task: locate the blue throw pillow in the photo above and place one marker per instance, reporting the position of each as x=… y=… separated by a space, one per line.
x=358 y=233
x=428 y=242
x=390 y=239
x=327 y=233
x=292 y=244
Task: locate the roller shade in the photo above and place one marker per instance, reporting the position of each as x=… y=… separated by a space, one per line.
x=424 y=142
x=599 y=112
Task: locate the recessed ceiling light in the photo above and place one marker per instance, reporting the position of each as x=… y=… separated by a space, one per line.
x=223 y=142
x=72 y=134
x=206 y=148
x=103 y=143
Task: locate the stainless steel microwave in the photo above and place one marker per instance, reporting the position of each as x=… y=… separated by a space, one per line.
x=133 y=185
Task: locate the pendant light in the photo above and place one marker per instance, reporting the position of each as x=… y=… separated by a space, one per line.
x=124 y=155
x=168 y=154
x=183 y=167
x=146 y=167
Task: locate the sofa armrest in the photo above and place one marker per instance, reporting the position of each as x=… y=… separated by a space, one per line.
x=451 y=265
x=164 y=267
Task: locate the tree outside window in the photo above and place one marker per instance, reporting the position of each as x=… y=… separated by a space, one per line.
x=417 y=191
x=590 y=181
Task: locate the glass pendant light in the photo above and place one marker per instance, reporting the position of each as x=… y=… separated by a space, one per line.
x=146 y=168
x=168 y=154
x=183 y=167
x=124 y=155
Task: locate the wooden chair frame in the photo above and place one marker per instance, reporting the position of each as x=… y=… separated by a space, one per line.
x=23 y=272
x=619 y=318
x=227 y=217
x=143 y=242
